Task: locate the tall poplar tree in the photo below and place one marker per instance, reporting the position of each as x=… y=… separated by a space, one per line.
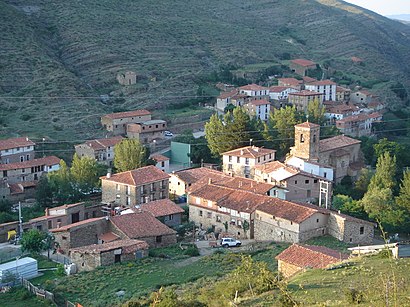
x=129 y=154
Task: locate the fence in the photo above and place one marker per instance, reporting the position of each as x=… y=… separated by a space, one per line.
x=37 y=291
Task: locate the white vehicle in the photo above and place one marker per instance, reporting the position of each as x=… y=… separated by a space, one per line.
x=168 y=133
x=230 y=242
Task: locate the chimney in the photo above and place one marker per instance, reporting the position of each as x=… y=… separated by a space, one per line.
x=210 y=181
x=108 y=175
x=241 y=152
x=27 y=139
x=47 y=212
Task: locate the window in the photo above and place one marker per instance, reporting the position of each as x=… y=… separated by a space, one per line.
x=324 y=174
x=230 y=167
x=200 y=213
x=296 y=182
x=307 y=181
x=21 y=158
x=302 y=138
x=158 y=239
x=218 y=218
x=308 y=193
x=128 y=201
x=50 y=224
x=317 y=220
x=270 y=156
x=246 y=161
x=28 y=157
x=361 y=230
x=273 y=217
x=230 y=158
x=209 y=215
x=238 y=160
x=128 y=190
x=170 y=217
x=314 y=138
x=118 y=187
x=64 y=238
x=198 y=200
x=315 y=181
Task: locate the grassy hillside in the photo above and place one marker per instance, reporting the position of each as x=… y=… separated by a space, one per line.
x=64 y=55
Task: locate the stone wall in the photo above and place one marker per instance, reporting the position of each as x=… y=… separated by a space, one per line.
x=267 y=232
x=176 y=220
x=165 y=240
x=85 y=261
x=287 y=269
x=350 y=231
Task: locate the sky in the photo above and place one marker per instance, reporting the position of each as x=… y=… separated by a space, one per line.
x=384 y=7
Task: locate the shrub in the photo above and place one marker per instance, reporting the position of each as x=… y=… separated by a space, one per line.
x=192 y=251
x=354 y=296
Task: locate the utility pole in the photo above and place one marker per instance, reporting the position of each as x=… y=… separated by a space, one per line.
x=20 y=222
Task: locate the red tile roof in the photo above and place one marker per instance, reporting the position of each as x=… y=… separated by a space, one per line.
x=140 y=225
x=303 y=62
x=108 y=237
x=342 y=89
x=290 y=81
x=128 y=246
x=192 y=175
x=340 y=109
x=252 y=152
x=139 y=176
x=162 y=207
x=99 y=144
x=78 y=224
x=359 y=118
x=336 y=142
x=322 y=82
x=307 y=79
x=48 y=161
x=259 y=102
x=46 y=217
x=15 y=143
x=307 y=125
x=278 y=89
x=306 y=93
x=159 y=158
x=225 y=95
x=67 y=206
x=127 y=114
x=305 y=256
x=252 y=87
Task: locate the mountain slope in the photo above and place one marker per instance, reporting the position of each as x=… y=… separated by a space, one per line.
x=55 y=48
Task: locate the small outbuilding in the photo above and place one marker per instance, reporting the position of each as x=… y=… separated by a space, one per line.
x=24 y=267
x=299 y=257
x=89 y=257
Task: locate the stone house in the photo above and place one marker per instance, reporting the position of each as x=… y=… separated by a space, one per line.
x=16 y=150
x=362 y=97
x=342 y=94
x=259 y=108
x=89 y=257
x=165 y=210
x=162 y=162
x=342 y=153
x=232 y=97
x=135 y=187
x=28 y=170
x=291 y=82
x=299 y=185
x=301 y=66
x=147 y=131
x=358 y=125
x=143 y=226
x=302 y=99
x=297 y=258
x=127 y=78
x=102 y=150
x=81 y=233
x=242 y=161
x=117 y=122
x=326 y=87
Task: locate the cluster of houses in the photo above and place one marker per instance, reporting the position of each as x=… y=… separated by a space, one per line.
x=352 y=113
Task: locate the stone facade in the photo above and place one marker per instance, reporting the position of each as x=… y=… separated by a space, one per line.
x=287 y=269
x=301 y=99
x=117 y=122
x=148 y=131
x=127 y=78
x=301 y=66
x=129 y=195
x=350 y=230
x=16 y=150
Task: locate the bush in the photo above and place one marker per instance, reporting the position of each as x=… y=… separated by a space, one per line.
x=354 y=296
x=192 y=251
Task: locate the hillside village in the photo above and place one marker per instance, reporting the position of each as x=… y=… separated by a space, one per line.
x=254 y=193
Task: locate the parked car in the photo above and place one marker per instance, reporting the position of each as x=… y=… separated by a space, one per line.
x=168 y=133
x=230 y=242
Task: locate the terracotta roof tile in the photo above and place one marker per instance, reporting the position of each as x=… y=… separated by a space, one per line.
x=322 y=82
x=159 y=158
x=259 y=102
x=108 y=237
x=303 y=62
x=253 y=87
x=249 y=152
x=317 y=257
x=48 y=161
x=307 y=79
x=340 y=109
x=140 y=225
x=67 y=206
x=81 y=223
x=225 y=95
x=335 y=142
x=139 y=176
x=359 y=118
x=162 y=207
x=99 y=144
x=307 y=125
x=15 y=143
x=192 y=175
x=128 y=246
x=127 y=114
x=290 y=81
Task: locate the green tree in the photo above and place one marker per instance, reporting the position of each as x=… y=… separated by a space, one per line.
x=384 y=177
x=316 y=112
x=362 y=183
x=348 y=205
x=229 y=132
x=403 y=199
x=84 y=174
x=33 y=241
x=44 y=192
x=61 y=185
x=129 y=154
x=282 y=125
